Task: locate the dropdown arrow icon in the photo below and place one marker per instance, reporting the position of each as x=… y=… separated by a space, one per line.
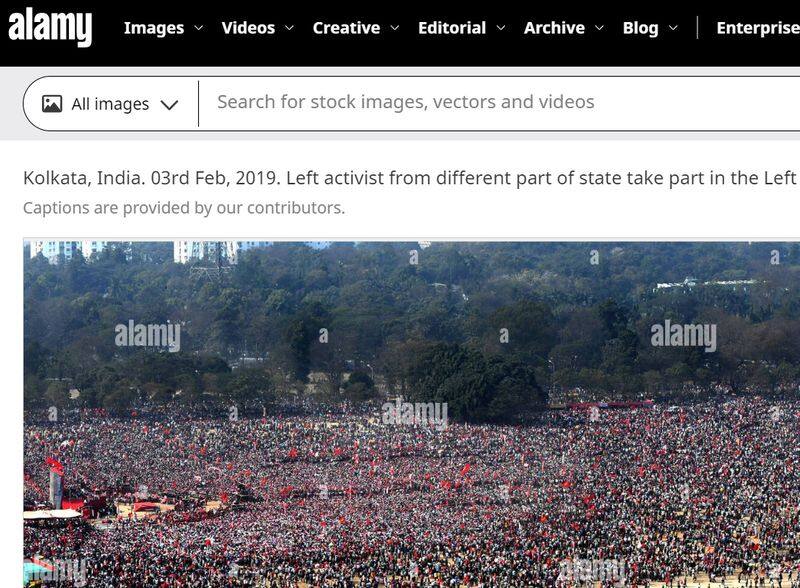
x=394 y=27
x=500 y=27
x=199 y=27
x=673 y=27
x=599 y=27
x=288 y=27
x=169 y=106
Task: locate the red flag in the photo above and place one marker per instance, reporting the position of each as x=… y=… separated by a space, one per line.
x=292 y=453
x=465 y=470
x=55 y=466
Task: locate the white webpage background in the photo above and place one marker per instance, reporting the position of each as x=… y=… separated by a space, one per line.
x=406 y=215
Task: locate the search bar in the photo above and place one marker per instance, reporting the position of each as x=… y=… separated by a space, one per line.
x=414 y=103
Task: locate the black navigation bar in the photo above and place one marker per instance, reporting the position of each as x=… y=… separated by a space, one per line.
x=141 y=36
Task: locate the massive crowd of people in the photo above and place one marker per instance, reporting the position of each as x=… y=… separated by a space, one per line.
x=674 y=493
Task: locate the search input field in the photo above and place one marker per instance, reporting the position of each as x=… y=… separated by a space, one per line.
x=414 y=103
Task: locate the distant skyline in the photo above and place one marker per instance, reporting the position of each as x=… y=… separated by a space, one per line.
x=184 y=250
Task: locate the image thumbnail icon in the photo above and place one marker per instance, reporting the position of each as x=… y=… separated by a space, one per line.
x=52 y=103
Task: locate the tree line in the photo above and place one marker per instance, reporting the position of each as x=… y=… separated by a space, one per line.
x=490 y=328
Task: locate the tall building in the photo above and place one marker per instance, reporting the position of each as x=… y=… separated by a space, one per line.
x=186 y=251
x=89 y=249
x=234 y=248
x=190 y=251
x=55 y=251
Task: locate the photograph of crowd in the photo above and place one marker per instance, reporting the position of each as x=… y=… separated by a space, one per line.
x=385 y=414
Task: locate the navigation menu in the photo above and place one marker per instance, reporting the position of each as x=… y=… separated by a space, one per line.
x=136 y=36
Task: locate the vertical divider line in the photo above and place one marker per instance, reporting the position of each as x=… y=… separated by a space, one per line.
x=198 y=104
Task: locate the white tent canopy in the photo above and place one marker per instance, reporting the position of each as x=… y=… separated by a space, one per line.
x=64 y=513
